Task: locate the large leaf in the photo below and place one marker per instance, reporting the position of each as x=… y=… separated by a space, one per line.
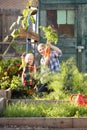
x=25 y=12
x=19 y=19
x=15 y=33
x=11 y=27
x=5 y=39
x=32 y=19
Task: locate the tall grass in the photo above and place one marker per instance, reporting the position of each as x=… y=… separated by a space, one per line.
x=21 y=109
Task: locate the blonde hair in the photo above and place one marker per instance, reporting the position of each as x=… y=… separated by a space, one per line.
x=41 y=45
x=27 y=56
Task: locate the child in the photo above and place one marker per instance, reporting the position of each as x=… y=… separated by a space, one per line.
x=29 y=72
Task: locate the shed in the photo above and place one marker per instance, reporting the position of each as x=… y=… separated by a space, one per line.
x=69 y=18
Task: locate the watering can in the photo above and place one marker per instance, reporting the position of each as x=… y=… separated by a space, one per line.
x=80 y=99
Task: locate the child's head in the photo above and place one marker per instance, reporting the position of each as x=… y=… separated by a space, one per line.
x=29 y=58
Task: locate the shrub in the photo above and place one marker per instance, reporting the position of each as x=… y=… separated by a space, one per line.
x=72 y=79
x=9 y=68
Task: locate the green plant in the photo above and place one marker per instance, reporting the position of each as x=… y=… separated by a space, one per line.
x=9 y=68
x=20 y=28
x=22 y=22
x=14 y=67
x=16 y=83
x=18 y=47
x=50 y=34
x=73 y=80
x=17 y=88
x=44 y=109
x=5 y=82
x=68 y=81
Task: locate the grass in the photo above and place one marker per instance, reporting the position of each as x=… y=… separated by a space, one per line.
x=21 y=109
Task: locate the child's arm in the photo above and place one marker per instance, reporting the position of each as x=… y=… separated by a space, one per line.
x=23 y=60
x=22 y=78
x=23 y=75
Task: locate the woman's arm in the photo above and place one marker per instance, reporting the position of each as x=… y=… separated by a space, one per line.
x=47 y=60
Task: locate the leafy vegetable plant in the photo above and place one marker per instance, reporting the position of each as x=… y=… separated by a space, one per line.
x=50 y=34
x=44 y=109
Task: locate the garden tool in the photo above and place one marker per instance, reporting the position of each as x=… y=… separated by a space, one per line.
x=80 y=99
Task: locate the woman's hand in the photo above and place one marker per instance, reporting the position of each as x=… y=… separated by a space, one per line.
x=47 y=58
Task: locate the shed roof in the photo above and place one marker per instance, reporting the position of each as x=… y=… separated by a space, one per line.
x=63 y=1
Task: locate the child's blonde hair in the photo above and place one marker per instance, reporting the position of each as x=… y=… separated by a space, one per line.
x=29 y=55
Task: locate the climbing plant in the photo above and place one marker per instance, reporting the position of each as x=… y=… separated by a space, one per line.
x=20 y=27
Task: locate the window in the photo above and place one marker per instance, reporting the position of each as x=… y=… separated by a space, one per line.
x=52 y=18
x=65 y=21
x=62 y=21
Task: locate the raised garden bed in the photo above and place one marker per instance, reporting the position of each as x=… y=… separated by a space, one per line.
x=5 y=93
x=44 y=122
x=2 y=104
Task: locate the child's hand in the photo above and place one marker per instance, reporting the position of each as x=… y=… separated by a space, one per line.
x=23 y=55
x=23 y=59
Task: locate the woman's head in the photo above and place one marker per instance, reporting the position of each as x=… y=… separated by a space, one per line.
x=41 y=49
x=29 y=58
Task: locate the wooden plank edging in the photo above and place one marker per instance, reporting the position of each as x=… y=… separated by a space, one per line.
x=46 y=122
x=38 y=122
